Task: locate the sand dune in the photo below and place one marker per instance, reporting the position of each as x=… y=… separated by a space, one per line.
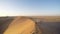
x=21 y=25
x=35 y=25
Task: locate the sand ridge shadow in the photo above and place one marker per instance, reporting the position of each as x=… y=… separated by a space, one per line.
x=5 y=23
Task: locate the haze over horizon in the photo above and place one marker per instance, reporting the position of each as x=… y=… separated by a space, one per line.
x=29 y=7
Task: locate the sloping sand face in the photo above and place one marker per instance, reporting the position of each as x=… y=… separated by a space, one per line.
x=21 y=25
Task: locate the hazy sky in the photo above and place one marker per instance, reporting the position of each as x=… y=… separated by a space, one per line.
x=29 y=7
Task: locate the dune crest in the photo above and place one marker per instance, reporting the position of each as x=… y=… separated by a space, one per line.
x=21 y=25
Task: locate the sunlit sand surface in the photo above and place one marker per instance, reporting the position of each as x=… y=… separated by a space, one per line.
x=30 y=25
x=21 y=25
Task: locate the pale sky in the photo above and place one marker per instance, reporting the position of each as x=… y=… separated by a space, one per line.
x=29 y=7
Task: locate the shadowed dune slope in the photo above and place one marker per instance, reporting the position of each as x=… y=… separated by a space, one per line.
x=4 y=22
x=20 y=25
